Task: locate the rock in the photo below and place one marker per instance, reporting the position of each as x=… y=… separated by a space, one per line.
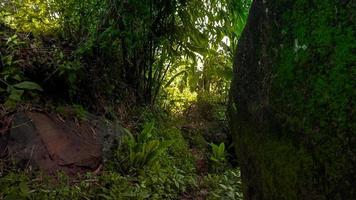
x=50 y=143
x=23 y=142
x=291 y=106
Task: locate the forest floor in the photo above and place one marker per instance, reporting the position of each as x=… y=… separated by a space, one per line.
x=163 y=156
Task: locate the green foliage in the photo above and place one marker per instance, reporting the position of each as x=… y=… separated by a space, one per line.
x=39 y=16
x=178 y=153
x=218 y=152
x=27 y=85
x=136 y=153
x=198 y=141
x=11 y=78
x=207 y=42
x=80 y=112
x=168 y=182
x=69 y=70
x=135 y=46
x=102 y=52
x=115 y=186
x=224 y=186
x=164 y=172
x=16 y=92
x=218 y=157
x=14 y=187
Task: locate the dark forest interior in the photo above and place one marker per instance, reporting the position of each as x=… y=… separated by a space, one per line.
x=177 y=99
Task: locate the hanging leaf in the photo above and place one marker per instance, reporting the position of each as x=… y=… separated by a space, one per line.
x=28 y=85
x=174 y=77
x=14 y=98
x=15 y=95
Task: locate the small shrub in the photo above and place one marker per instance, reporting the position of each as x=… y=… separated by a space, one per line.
x=12 y=81
x=218 y=157
x=135 y=153
x=168 y=183
x=178 y=153
x=70 y=71
x=115 y=186
x=224 y=186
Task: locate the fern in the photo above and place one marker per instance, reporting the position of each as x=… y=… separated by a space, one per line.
x=140 y=152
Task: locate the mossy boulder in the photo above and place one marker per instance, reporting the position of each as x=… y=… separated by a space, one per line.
x=292 y=98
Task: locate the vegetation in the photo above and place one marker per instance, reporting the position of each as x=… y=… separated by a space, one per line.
x=141 y=50
x=141 y=168
x=160 y=76
x=160 y=68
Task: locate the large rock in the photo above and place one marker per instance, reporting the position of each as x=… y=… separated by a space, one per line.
x=292 y=100
x=51 y=143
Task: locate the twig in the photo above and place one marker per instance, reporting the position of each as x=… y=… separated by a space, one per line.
x=87 y=181
x=3 y=81
x=22 y=124
x=98 y=169
x=29 y=160
x=93 y=131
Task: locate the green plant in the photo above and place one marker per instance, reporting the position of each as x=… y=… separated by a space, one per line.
x=118 y=187
x=11 y=78
x=14 y=186
x=135 y=153
x=178 y=153
x=80 y=112
x=16 y=91
x=218 y=157
x=224 y=186
x=167 y=182
x=69 y=70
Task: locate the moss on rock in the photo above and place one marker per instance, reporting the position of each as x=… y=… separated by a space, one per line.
x=291 y=103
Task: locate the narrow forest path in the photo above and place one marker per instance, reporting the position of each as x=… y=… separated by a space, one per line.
x=204 y=125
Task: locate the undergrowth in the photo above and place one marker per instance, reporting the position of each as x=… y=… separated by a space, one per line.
x=153 y=162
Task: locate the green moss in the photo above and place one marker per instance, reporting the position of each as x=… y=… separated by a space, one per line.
x=314 y=89
x=278 y=164
x=308 y=153
x=179 y=153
